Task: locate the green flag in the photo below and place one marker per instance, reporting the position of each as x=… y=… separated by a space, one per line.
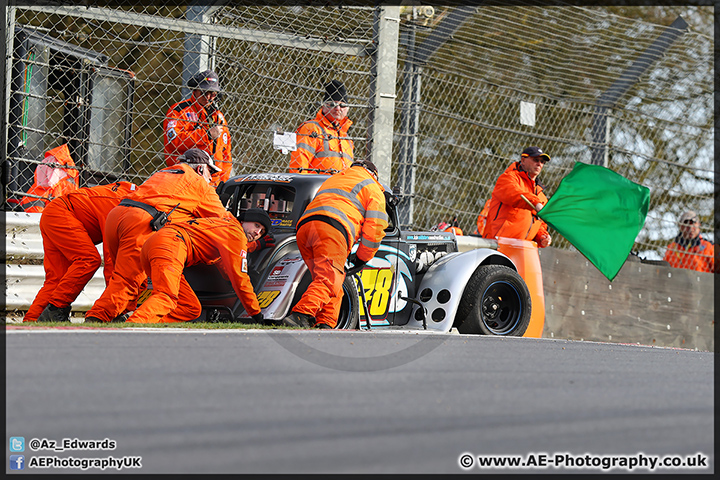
x=600 y=212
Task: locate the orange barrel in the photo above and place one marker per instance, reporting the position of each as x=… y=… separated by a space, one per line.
x=524 y=253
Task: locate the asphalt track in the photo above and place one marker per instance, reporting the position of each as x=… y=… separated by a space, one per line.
x=258 y=401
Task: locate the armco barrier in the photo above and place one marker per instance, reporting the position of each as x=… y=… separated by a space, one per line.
x=23 y=245
x=24 y=281
x=22 y=236
x=646 y=304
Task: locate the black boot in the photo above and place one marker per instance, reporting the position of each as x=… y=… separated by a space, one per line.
x=121 y=318
x=54 y=314
x=297 y=319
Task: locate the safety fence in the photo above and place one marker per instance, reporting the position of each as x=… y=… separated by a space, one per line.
x=443 y=98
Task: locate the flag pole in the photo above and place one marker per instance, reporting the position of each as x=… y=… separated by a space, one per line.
x=528 y=201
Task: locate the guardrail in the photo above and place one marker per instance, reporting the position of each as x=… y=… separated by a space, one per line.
x=23 y=245
x=22 y=236
x=466 y=242
x=24 y=281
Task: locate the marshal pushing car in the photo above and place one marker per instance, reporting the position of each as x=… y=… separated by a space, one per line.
x=417 y=280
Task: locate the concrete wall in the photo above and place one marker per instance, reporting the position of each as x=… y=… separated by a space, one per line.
x=646 y=304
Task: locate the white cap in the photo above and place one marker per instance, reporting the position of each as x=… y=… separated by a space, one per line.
x=689 y=215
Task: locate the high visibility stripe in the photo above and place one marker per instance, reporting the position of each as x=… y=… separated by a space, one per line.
x=369 y=244
x=376 y=214
x=326 y=137
x=352 y=196
x=326 y=134
x=305 y=146
x=329 y=153
x=357 y=188
x=346 y=221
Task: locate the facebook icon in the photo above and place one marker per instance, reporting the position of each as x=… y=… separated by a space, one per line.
x=17 y=462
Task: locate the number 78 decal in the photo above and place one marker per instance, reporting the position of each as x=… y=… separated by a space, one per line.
x=377 y=284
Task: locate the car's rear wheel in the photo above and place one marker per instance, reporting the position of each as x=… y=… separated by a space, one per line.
x=496 y=301
x=349 y=314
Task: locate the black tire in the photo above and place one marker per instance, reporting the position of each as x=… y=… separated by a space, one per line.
x=496 y=301
x=349 y=314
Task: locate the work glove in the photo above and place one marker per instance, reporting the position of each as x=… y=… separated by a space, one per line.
x=258 y=318
x=268 y=241
x=357 y=264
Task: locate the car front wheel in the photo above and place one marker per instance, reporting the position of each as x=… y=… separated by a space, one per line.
x=496 y=301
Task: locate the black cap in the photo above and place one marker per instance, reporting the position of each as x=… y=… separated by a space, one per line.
x=367 y=164
x=195 y=156
x=207 y=80
x=256 y=215
x=535 y=152
x=335 y=91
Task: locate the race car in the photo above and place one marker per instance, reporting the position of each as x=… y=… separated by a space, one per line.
x=417 y=280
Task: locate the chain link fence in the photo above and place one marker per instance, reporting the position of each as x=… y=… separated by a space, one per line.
x=511 y=77
x=475 y=85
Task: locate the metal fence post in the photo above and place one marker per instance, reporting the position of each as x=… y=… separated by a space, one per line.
x=383 y=75
x=417 y=57
x=9 y=168
x=198 y=48
x=408 y=130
